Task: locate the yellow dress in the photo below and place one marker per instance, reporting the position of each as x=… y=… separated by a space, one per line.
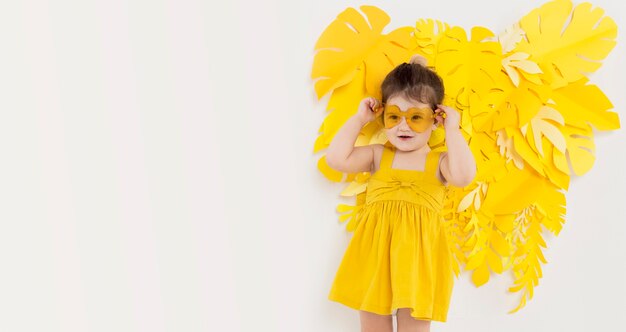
x=399 y=255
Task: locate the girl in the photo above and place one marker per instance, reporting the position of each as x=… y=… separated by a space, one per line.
x=398 y=258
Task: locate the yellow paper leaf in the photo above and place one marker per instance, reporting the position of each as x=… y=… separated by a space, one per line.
x=499 y=244
x=427 y=35
x=349 y=212
x=580 y=148
x=560 y=162
x=354 y=188
x=504 y=223
x=519 y=60
x=480 y=275
x=477 y=201
x=510 y=37
x=495 y=262
x=476 y=259
x=519 y=189
x=467 y=200
x=543 y=165
x=467 y=65
x=319 y=144
x=328 y=172
x=541 y=126
x=343 y=103
x=507 y=148
x=352 y=42
x=437 y=137
x=505 y=105
x=567 y=49
x=552 y=172
x=581 y=104
x=342 y=208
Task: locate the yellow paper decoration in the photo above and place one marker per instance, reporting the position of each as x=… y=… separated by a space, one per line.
x=527 y=112
x=352 y=43
x=565 y=55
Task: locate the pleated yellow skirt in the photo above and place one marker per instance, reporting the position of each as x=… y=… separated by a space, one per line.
x=399 y=262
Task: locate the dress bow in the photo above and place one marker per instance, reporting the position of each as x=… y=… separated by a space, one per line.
x=400 y=183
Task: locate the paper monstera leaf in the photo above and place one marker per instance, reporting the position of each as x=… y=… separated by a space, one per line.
x=527 y=110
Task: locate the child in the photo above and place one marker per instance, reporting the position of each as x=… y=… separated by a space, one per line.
x=398 y=256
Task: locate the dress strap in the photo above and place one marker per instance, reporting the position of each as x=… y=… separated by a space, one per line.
x=432 y=159
x=432 y=162
x=387 y=157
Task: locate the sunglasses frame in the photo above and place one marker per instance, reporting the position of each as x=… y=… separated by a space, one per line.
x=381 y=110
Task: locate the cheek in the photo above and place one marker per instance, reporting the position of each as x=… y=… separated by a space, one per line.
x=426 y=134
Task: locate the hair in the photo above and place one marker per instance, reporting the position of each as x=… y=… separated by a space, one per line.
x=414 y=81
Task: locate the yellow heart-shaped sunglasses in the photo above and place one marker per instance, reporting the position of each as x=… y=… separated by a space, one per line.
x=418 y=119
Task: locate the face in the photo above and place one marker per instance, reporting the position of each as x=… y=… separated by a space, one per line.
x=404 y=119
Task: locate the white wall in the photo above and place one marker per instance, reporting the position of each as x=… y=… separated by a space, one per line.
x=158 y=175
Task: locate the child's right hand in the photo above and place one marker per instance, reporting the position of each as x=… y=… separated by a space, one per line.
x=369 y=109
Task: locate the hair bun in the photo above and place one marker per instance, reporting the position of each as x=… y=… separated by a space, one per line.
x=418 y=59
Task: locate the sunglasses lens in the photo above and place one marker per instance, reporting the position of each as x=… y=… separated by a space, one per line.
x=419 y=127
x=420 y=119
x=392 y=120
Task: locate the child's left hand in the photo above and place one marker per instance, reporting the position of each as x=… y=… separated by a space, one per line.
x=452 y=118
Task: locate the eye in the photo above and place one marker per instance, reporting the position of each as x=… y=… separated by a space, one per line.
x=416 y=118
x=393 y=117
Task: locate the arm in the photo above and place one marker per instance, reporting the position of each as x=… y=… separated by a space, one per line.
x=342 y=155
x=458 y=165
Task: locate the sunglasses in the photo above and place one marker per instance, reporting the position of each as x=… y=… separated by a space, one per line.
x=418 y=119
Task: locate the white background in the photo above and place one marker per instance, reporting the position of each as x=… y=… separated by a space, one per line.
x=157 y=174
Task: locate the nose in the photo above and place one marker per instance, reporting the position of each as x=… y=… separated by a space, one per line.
x=403 y=124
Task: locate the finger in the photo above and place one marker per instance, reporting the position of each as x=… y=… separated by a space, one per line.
x=376 y=104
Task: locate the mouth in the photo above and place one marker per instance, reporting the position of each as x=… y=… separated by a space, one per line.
x=405 y=137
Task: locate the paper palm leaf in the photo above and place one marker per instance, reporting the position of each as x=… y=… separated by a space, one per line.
x=467 y=66
x=351 y=43
x=427 y=35
x=566 y=56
